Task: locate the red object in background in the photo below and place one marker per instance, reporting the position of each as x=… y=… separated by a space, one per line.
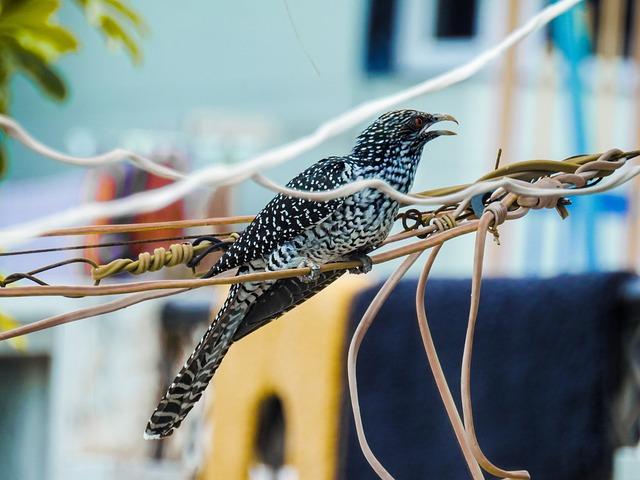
x=105 y=190
x=121 y=182
x=175 y=211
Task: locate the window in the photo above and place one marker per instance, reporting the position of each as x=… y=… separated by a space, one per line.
x=435 y=35
x=451 y=24
x=427 y=36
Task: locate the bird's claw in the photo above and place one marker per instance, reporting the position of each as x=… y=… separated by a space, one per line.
x=313 y=275
x=365 y=267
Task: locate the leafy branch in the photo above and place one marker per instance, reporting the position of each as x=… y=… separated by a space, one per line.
x=32 y=40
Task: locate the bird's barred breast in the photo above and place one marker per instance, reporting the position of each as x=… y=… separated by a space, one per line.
x=361 y=223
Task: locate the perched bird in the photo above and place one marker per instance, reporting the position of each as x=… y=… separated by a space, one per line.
x=293 y=232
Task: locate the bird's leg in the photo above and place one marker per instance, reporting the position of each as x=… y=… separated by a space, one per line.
x=315 y=270
x=364 y=259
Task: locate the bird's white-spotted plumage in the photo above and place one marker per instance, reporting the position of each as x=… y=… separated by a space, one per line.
x=290 y=232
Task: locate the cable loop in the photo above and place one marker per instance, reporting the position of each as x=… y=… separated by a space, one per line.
x=541 y=202
x=573 y=178
x=413 y=215
x=443 y=222
x=499 y=212
x=604 y=162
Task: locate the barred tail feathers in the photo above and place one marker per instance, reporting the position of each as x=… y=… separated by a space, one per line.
x=193 y=378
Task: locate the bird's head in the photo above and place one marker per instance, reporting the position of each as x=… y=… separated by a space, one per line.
x=400 y=132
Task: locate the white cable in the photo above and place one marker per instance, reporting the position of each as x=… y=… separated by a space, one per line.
x=217 y=175
x=509 y=184
x=15 y=130
x=17 y=234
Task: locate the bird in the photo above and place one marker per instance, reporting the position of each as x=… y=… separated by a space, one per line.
x=292 y=232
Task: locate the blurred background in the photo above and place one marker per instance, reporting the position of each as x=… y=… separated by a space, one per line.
x=203 y=83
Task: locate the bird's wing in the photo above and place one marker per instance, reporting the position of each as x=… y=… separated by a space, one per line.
x=281 y=297
x=284 y=217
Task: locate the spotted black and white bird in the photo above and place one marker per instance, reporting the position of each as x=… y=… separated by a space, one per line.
x=292 y=232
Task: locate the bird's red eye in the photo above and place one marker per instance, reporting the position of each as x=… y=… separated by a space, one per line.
x=418 y=122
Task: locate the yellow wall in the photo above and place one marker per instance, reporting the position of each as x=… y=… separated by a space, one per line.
x=300 y=358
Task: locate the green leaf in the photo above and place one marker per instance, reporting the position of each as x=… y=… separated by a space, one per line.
x=28 y=10
x=123 y=9
x=119 y=10
x=46 y=41
x=109 y=17
x=41 y=73
x=29 y=23
x=116 y=33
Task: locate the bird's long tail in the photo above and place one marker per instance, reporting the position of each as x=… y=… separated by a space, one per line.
x=188 y=386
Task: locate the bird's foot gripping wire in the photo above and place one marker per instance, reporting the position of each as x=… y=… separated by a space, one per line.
x=366 y=264
x=314 y=274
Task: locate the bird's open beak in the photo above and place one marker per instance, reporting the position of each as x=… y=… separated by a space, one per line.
x=436 y=118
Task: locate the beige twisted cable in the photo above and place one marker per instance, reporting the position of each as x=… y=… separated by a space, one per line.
x=178 y=254
x=438 y=374
x=488 y=218
x=133 y=287
x=578 y=179
x=149 y=262
x=148 y=226
x=94 y=311
x=495 y=214
x=536 y=203
x=352 y=359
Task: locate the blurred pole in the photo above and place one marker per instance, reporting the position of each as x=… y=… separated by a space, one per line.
x=610 y=50
x=633 y=237
x=507 y=87
x=496 y=261
x=547 y=84
x=571 y=36
x=610 y=38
